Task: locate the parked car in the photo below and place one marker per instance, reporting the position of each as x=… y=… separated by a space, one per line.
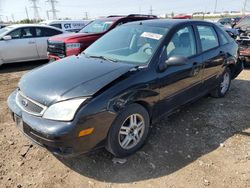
x=244 y=49
x=183 y=16
x=109 y=95
x=244 y=39
x=234 y=33
x=225 y=21
x=3 y=25
x=72 y=44
x=243 y=24
x=67 y=25
x=25 y=42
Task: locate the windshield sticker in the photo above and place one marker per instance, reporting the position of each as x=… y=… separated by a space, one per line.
x=108 y=22
x=151 y=35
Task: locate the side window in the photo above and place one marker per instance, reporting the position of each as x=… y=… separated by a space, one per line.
x=182 y=43
x=39 y=32
x=22 y=33
x=223 y=38
x=16 y=34
x=28 y=33
x=46 y=32
x=57 y=25
x=208 y=37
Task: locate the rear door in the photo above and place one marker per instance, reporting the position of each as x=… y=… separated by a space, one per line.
x=42 y=35
x=180 y=84
x=212 y=54
x=21 y=47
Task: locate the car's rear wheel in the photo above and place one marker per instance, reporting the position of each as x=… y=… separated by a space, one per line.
x=129 y=131
x=224 y=85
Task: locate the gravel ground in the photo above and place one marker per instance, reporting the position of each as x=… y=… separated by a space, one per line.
x=206 y=144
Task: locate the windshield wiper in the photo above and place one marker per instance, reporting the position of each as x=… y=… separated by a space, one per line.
x=103 y=57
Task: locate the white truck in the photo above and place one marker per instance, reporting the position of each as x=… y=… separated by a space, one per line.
x=67 y=25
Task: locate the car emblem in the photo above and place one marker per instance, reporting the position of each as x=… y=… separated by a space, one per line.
x=24 y=102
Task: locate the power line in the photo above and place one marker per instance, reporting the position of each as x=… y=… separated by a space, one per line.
x=53 y=8
x=36 y=9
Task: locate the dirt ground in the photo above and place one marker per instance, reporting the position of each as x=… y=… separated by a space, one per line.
x=206 y=144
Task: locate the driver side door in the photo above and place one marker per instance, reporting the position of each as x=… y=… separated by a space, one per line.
x=181 y=83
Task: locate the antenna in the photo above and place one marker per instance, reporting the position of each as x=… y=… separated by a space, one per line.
x=53 y=8
x=35 y=8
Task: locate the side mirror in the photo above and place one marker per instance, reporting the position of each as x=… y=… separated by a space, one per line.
x=173 y=61
x=7 y=37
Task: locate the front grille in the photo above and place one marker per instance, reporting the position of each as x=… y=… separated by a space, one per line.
x=56 y=48
x=29 y=105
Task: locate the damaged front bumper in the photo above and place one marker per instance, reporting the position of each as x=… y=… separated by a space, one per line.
x=60 y=138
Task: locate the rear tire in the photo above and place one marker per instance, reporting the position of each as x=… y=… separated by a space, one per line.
x=224 y=84
x=128 y=131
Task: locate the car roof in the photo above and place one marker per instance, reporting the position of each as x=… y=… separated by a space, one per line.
x=118 y=17
x=14 y=26
x=167 y=22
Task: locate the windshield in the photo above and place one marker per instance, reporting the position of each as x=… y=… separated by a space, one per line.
x=134 y=44
x=97 y=26
x=3 y=30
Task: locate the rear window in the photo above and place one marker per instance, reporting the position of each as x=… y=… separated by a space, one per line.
x=57 y=25
x=46 y=32
x=208 y=37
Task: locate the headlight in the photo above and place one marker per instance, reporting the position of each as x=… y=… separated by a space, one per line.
x=73 y=45
x=63 y=111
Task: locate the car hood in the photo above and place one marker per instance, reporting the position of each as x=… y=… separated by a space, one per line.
x=71 y=77
x=71 y=36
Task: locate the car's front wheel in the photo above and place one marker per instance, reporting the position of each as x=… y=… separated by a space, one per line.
x=129 y=131
x=224 y=85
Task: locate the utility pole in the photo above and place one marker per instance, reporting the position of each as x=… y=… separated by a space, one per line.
x=35 y=8
x=13 y=18
x=47 y=13
x=86 y=15
x=53 y=8
x=215 y=6
x=151 y=10
x=27 y=14
x=244 y=7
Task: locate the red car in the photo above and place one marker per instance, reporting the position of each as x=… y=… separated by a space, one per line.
x=182 y=16
x=69 y=44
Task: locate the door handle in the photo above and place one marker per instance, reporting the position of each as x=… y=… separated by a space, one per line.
x=31 y=42
x=195 y=69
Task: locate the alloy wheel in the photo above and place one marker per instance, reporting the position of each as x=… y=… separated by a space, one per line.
x=131 y=131
x=225 y=83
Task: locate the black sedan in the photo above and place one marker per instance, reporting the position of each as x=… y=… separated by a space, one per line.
x=110 y=94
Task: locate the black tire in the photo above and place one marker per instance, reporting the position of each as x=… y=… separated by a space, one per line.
x=219 y=92
x=113 y=144
x=247 y=64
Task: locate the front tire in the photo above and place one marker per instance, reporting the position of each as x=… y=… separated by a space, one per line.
x=224 y=84
x=128 y=131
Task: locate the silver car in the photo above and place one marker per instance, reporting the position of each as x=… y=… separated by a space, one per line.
x=25 y=42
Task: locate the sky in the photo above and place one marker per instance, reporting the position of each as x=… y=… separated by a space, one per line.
x=75 y=9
